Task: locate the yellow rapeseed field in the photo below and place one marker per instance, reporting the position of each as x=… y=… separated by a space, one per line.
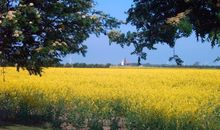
x=147 y=98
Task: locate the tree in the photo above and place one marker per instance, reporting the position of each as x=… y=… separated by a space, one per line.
x=37 y=33
x=197 y=63
x=165 y=21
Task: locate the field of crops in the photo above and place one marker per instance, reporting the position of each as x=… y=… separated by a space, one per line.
x=129 y=98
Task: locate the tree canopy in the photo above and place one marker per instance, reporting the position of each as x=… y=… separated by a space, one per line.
x=38 y=33
x=165 y=21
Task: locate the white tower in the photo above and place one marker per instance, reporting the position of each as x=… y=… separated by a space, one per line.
x=124 y=62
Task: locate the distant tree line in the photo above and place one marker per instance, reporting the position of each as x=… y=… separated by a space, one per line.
x=82 y=65
x=183 y=66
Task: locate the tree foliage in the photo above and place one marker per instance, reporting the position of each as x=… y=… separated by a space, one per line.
x=37 y=33
x=165 y=21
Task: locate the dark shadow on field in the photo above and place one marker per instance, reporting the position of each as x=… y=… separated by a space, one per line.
x=17 y=125
x=9 y=119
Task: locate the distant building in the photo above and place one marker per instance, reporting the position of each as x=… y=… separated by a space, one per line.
x=124 y=62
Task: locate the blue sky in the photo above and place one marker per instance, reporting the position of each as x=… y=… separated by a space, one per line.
x=99 y=50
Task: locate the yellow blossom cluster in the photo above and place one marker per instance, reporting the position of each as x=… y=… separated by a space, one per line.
x=17 y=33
x=10 y=15
x=176 y=20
